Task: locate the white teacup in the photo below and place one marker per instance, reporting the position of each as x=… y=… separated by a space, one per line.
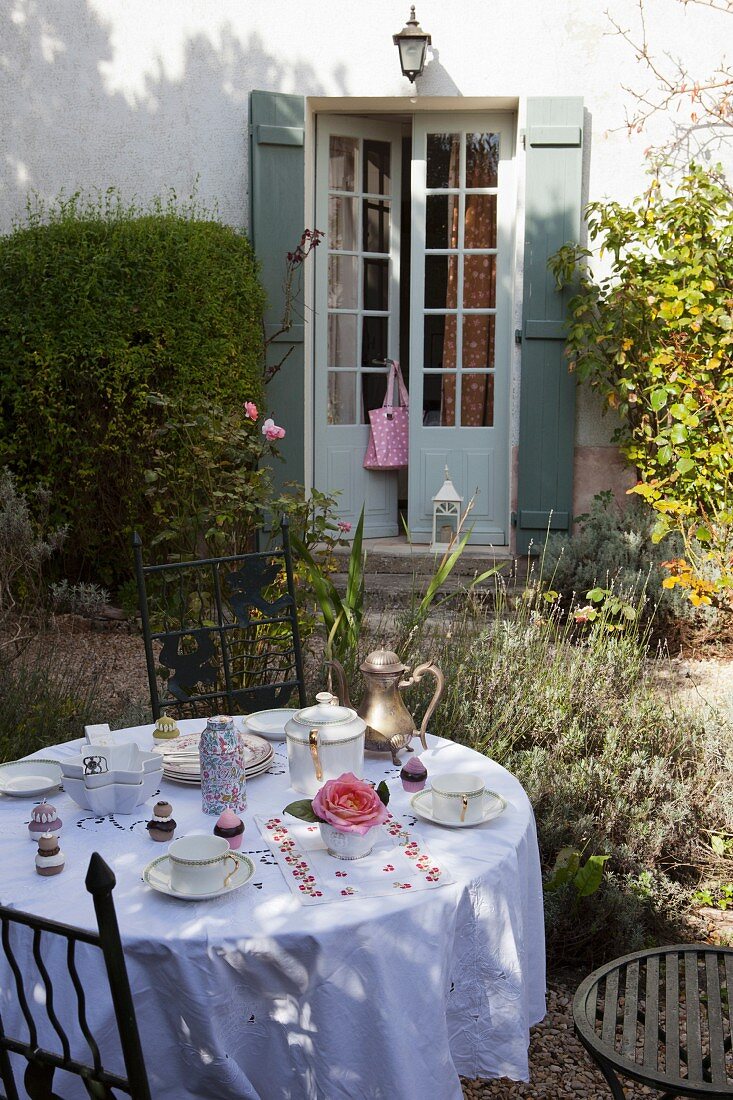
x=458 y=798
x=198 y=864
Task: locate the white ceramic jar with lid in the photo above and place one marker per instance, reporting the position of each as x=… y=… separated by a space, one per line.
x=324 y=741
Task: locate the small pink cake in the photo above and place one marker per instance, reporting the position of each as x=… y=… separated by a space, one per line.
x=231 y=828
x=414 y=774
x=44 y=820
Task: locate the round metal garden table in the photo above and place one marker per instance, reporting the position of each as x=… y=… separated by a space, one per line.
x=661 y=1017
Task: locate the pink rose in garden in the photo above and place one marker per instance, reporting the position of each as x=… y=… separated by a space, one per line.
x=350 y=804
x=344 y=526
x=251 y=410
x=271 y=431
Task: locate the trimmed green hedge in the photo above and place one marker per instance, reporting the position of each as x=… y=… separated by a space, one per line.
x=100 y=303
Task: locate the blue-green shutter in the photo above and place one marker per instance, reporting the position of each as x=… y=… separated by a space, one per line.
x=276 y=192
x=554 y=151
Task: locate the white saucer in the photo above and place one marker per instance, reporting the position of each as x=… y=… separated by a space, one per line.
x=269 y=723
x=157 y=875
x=29 y=778
x=422 y=804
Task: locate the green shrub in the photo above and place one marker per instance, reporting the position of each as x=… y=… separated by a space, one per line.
x=613 y=547
x=46 y=700
x=654 y=336
x=100 y=304
x=27 y=542
x=610 y=766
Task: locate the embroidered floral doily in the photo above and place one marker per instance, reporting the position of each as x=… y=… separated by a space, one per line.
x=399 y=861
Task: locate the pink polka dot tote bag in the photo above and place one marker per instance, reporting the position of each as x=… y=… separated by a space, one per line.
x=389 y=431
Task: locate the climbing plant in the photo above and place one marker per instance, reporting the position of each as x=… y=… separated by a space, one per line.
x=653 y=335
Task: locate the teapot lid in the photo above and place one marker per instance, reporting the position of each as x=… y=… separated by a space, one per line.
x=382 y=660
x=333 y=720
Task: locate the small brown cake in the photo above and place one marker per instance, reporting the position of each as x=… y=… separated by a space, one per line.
x=161 y=826
x=50 y=859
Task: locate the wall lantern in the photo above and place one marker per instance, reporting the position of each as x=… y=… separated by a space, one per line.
x=412 y=42
x=446 y=514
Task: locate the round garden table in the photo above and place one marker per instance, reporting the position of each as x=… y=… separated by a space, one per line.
x=259 y=995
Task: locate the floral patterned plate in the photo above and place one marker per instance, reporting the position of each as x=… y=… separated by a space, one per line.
x=181 y=759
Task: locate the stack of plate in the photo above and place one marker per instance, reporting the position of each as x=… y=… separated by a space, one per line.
x=181 y=757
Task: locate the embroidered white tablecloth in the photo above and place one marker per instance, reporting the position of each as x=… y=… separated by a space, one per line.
x=255 y=997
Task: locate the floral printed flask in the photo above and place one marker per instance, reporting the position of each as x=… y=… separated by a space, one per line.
x=223 y=778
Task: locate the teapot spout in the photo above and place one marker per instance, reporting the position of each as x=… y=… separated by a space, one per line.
x=342 y=691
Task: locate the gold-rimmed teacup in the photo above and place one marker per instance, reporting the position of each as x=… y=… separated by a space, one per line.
x=458 y=798
x=198 y=864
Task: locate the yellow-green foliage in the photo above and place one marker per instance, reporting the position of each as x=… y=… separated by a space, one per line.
x=100 y=304
x=655 y=338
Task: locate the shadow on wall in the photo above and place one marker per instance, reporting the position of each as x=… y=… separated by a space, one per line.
x=61 y=127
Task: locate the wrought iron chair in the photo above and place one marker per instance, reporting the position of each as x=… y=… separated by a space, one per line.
x=227 y=630
x=41 y=1063
x=662 y=1017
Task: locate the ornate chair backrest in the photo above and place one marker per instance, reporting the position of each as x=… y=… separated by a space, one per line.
x=226 y=631
x=38 y=1078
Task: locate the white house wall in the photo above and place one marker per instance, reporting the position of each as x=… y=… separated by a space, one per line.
x=146 y=95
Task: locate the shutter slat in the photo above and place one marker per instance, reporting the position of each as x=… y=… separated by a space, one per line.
x=547 y=388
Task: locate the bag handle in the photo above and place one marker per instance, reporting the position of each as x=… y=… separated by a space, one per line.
x=395 y=375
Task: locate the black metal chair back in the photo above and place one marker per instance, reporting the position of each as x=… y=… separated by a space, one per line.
x=38 y=1079
x=227 y=631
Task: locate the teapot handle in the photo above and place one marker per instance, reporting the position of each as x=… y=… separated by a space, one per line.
x=431 y=668
x=313 y=743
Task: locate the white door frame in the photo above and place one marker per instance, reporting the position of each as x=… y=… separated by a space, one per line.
x=404 y=105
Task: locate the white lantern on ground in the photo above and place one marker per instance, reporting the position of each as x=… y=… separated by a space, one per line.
x=446 y=514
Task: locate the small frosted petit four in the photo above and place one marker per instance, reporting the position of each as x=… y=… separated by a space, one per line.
x=414 y=774
x=44 y=820
x=161 y=826
x=165 y=729
x=50 y=859
x=231 y=828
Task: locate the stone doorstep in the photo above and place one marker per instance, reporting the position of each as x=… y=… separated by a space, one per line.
x=395 y=556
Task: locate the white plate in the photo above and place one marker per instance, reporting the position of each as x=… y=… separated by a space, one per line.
x=193 y=779
x=269 y=723
x=422 y=804
x=257 y=751
x=157 y=875
x=29 y=778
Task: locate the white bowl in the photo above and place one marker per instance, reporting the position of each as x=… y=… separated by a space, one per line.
x=123 y=767
x=113 y=798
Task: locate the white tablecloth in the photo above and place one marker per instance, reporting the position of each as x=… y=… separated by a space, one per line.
x=255 y=997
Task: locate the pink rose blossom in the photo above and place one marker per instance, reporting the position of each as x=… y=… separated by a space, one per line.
x=271 y=431
x=351 y=804
x=251 y=410
x=344 y=526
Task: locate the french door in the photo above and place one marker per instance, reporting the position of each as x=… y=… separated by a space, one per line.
x=457 y=312
x=460 y=318
x=358 y=195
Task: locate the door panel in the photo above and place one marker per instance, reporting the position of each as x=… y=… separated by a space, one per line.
x=461 y=317
x=358 y=190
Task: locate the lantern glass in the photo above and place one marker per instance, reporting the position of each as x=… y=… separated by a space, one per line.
x=446 y=521
x=412 y=56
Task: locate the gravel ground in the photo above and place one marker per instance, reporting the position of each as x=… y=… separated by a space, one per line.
x=560 y=1069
